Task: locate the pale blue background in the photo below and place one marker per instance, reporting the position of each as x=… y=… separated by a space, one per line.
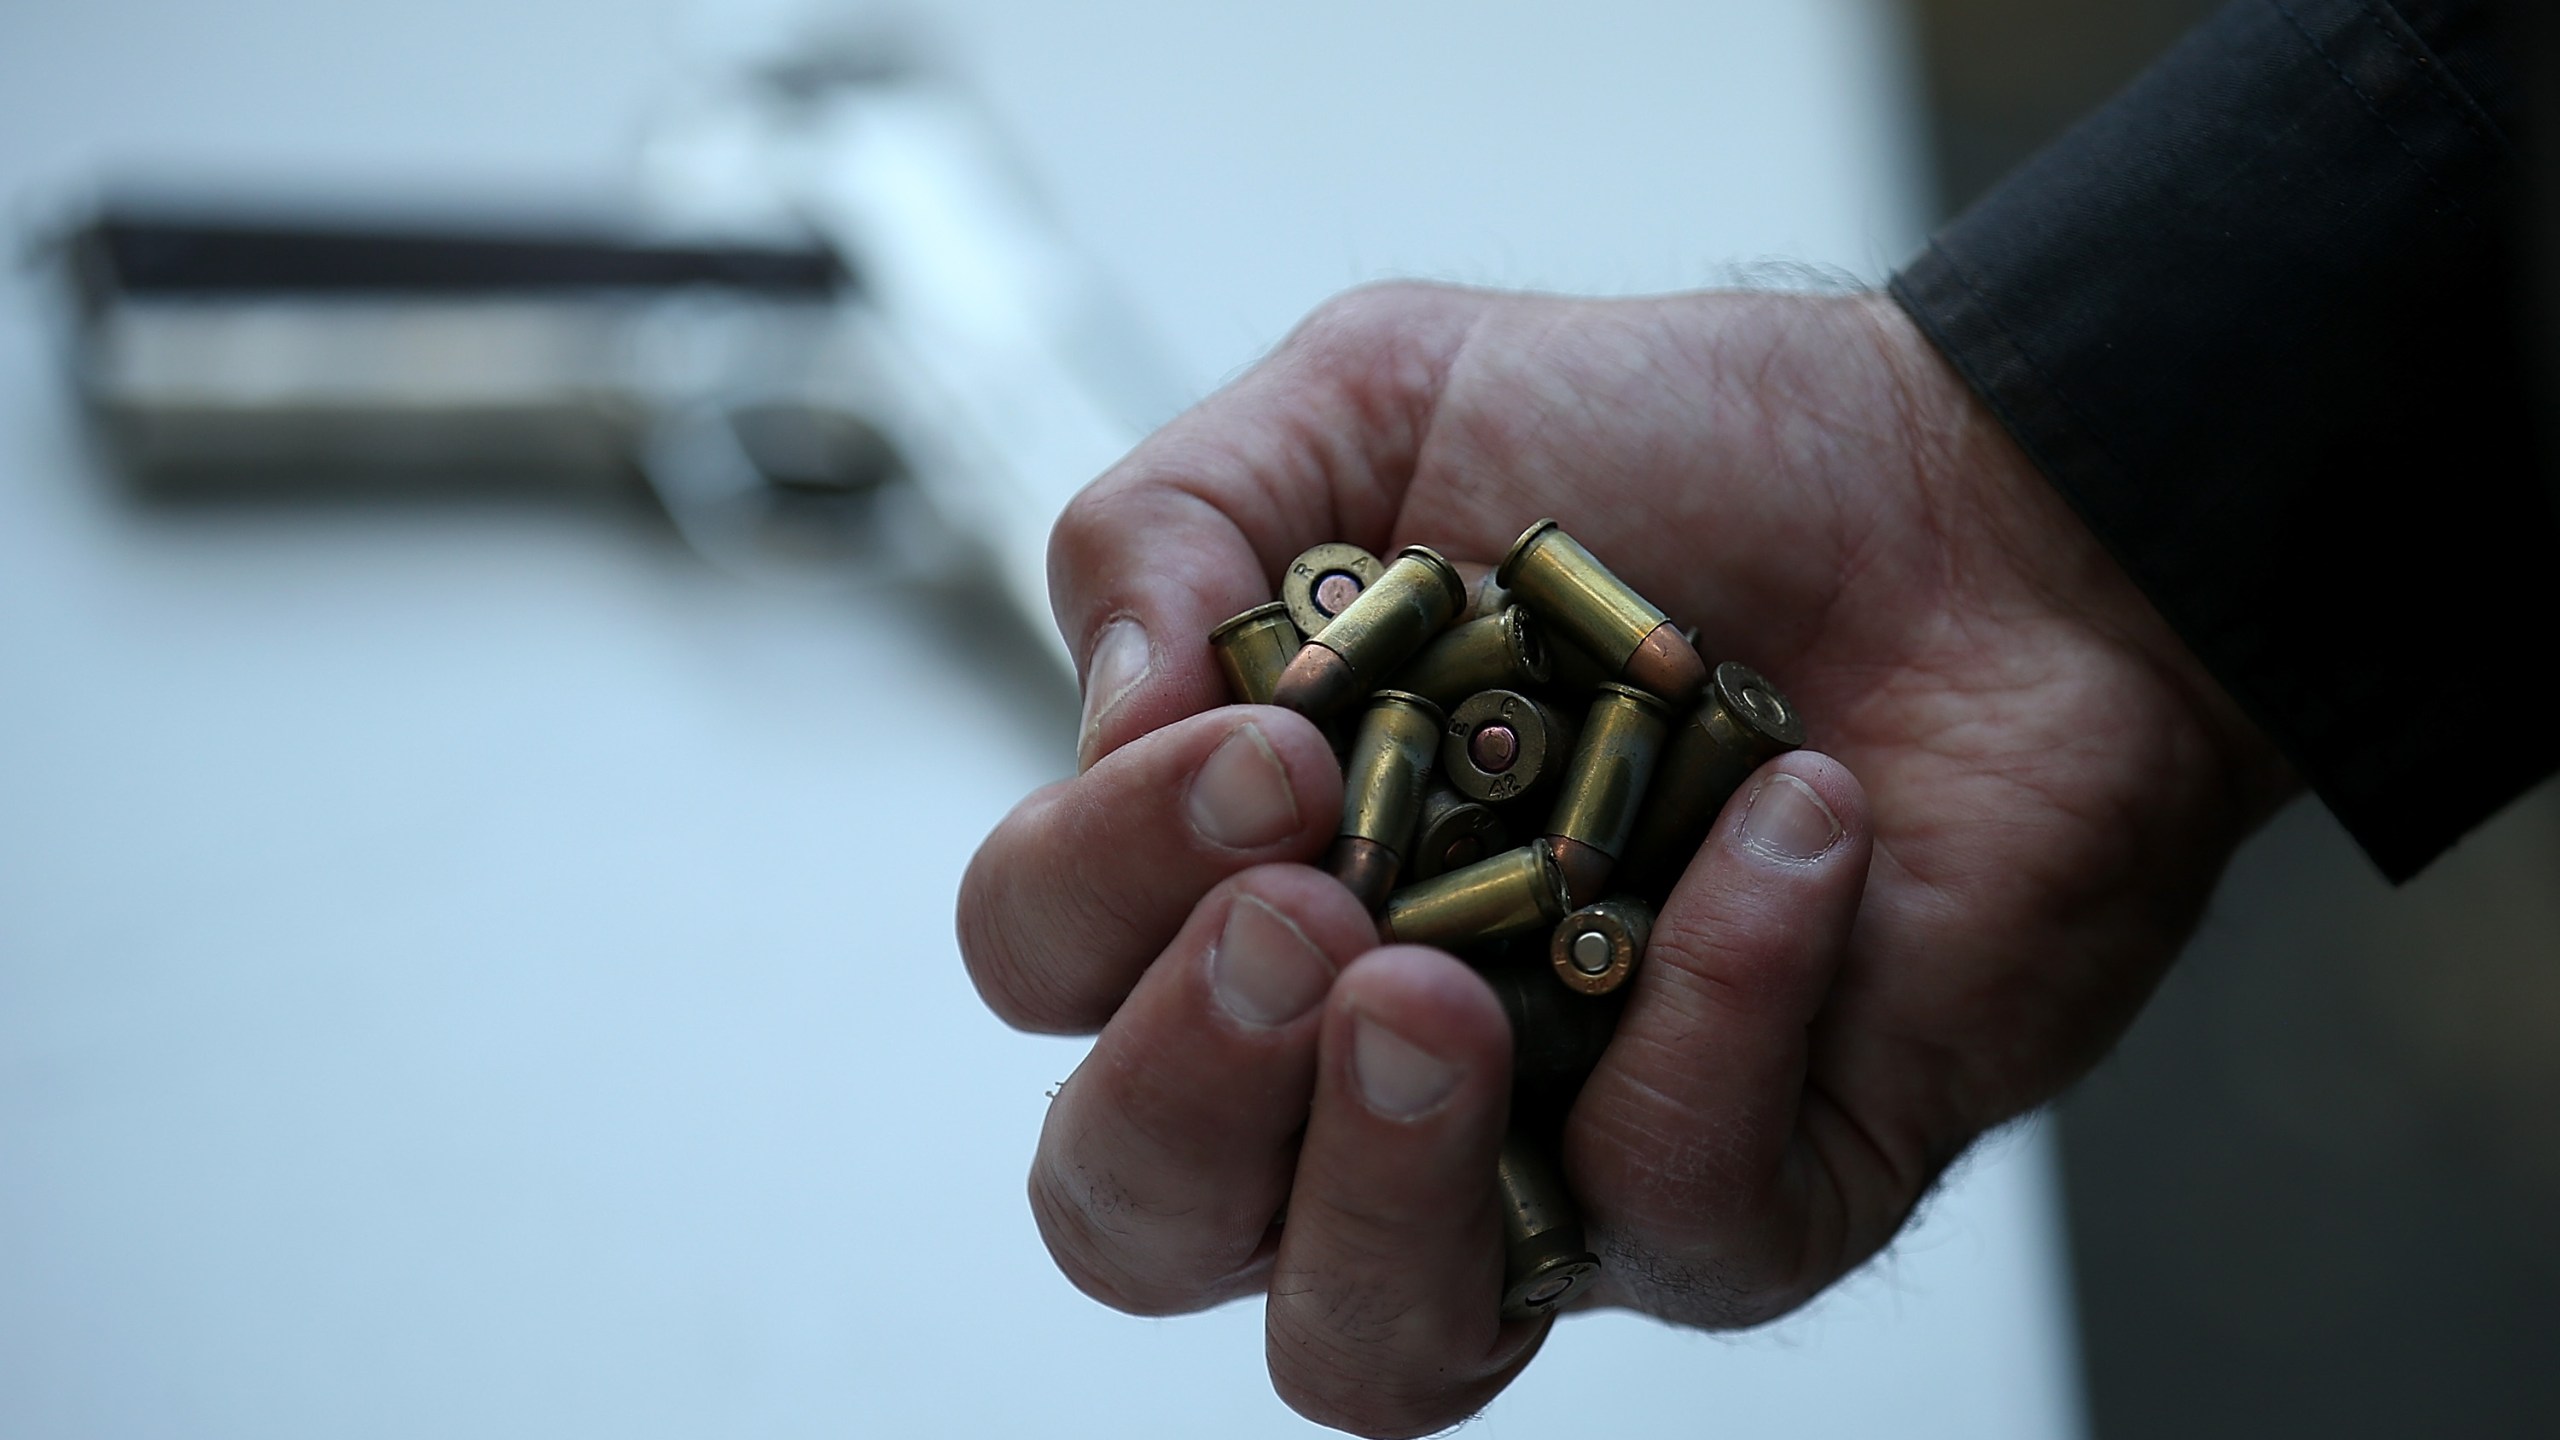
x=455 y=978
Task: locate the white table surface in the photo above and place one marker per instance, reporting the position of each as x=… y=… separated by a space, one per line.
x=453 y=979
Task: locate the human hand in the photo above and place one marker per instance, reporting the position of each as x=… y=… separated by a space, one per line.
x=2024 y=792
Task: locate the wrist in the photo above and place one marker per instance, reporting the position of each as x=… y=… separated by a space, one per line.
x=1987 y=485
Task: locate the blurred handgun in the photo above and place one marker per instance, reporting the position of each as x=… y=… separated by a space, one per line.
x=869 y=342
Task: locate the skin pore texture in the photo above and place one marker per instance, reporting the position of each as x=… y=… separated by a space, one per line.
x=2020 y=789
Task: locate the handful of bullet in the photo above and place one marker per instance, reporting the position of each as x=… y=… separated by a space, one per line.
x=1529 y=762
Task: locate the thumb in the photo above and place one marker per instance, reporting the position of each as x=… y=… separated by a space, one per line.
x=1694 y=1144
x=1316 y=443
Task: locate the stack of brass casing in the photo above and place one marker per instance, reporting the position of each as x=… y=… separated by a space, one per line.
x=1533 y=758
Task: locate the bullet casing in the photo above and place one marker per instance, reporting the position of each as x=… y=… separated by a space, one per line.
x=1604 y=786
x=1331 y=571
x=1742 y=724
x=1514 y=893
x=1597 y=948
x=1382 y=788
x=1253 y=648
x=1418 y=666
x=1589 y=607
x=1412 y=602
x=1455 y=833
x=1550 y=572
x=1498 y=652
x=1541 y=743
x=1545 y=1257
x=1390 y=768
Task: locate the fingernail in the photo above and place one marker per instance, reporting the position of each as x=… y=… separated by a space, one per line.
x=1265 y=971
x=1398 y=1079
x=1241 y=797
x=1120 y=660
x=1787 y=821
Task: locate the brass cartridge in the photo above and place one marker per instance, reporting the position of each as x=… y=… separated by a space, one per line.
x=1322 y=582
x=1382 y=789
x=1253 y=648
x=1545 y=1258
x=1513 y=893
x=1604 y=786
x=1499 y=652
x=1743 y=724
x=1455 y=833
x=1556 y=1034
x=1576 y=670
x=1501 y=745
x=1588 y=607
x=1597 y=948
x=1412 y=602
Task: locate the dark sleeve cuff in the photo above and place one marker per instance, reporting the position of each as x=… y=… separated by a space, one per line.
x=2260 y=321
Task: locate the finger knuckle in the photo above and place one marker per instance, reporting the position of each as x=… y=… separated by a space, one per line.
x=1090 y=1227
x=1735 y=967
x=1008 y=961
x=1359 y=317
x=1334 y=1378
x=1169 y=1112
x=1026 y=995
x=1359 y=1356
x=1364 y=1230
x=1086 y=530
x=1340 y=1333
x=1112 y=1249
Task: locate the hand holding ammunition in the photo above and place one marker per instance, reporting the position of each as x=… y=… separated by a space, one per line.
x=1809 y=1038
x=1497 y=748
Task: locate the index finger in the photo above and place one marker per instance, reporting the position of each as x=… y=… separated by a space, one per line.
x=1316 y=443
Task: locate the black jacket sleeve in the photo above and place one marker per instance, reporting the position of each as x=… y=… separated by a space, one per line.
x=2265 y=321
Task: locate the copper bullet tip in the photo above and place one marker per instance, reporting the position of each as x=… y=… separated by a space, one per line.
x=1367 y=867
x=1585 y=867
x=1668 y=666
x=1317 y=683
